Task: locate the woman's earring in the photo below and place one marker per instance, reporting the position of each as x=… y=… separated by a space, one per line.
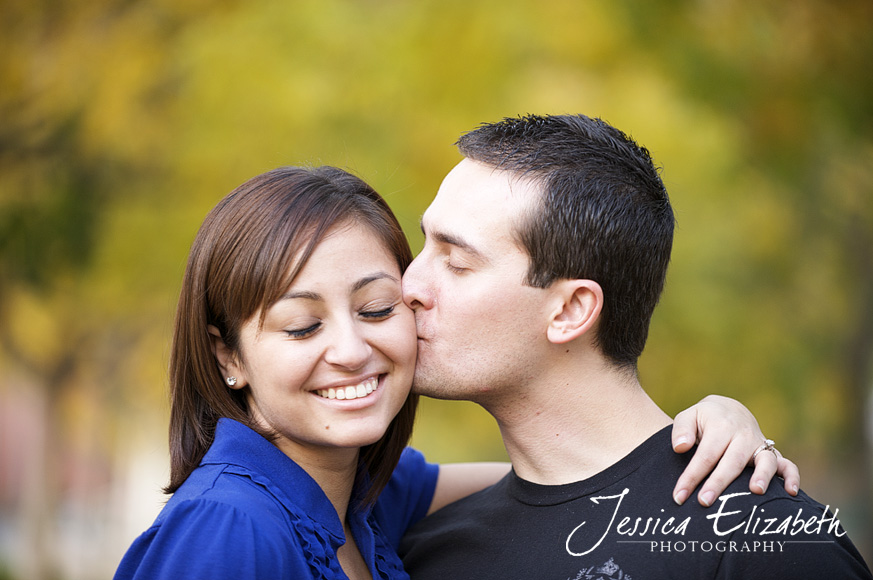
x=231 y=381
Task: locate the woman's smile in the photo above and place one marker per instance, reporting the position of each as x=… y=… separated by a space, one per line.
x=354 y=391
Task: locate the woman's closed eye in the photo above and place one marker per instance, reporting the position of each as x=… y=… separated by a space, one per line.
x=368 y=313
x=303 y=332
x=377 y=314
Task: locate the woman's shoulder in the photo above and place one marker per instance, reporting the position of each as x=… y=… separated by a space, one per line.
x=407 y=497
x=413 y=476
x=413 y=461
x=219 y=493
x=203 y=527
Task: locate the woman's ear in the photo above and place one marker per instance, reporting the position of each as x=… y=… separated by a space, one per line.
x=578 y=306
x=234 y=376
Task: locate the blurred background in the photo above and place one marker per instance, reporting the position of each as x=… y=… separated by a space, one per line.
x=122 y=123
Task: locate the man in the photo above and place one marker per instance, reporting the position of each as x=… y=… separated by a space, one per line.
x=546 y=252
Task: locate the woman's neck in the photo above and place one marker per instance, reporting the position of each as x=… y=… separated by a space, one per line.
x=333 y=469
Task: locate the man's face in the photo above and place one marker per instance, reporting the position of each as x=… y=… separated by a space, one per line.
x=478 y=324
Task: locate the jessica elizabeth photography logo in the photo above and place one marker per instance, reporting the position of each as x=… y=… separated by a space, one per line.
x=731 y=527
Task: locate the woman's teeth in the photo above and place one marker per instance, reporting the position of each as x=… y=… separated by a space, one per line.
x=352 y=391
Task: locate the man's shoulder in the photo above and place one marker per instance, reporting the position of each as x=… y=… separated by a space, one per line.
x=464 y=518
x=482 y=503
x=625 y=518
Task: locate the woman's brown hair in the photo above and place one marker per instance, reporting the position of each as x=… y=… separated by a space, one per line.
x=245 y=255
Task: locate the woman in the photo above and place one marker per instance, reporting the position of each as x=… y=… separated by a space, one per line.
x=290 y=371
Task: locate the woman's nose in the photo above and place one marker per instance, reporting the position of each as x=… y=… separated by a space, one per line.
x=349 y=348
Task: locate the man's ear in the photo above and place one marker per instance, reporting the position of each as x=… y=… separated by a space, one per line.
x=578 y=306
x=227 y=360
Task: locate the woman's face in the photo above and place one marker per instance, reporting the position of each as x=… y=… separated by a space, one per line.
x=333 y=363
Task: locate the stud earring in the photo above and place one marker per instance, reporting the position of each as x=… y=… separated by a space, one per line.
x=231 y=381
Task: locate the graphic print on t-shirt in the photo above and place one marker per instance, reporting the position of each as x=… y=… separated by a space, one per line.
x=606 y=571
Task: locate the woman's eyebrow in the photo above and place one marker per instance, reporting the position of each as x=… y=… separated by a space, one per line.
x=304 y=294
x=315 y=296
x=372 y=278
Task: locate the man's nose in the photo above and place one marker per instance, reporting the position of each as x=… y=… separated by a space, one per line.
x=416 y=290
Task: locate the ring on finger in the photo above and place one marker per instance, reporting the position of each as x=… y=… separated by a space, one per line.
x=769 y=445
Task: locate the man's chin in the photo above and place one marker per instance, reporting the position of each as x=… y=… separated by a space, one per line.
x=422 y=385
x=434 y=391
x=419 y=388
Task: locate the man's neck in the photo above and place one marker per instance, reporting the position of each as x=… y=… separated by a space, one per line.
x=569 y=427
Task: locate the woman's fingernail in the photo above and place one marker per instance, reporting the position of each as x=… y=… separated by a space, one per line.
x=680 y=496
x=760 y=485
x=707 y=498
x=682 y=440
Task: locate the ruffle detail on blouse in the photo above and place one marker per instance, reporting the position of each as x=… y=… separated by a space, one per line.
x=388 y=568
x=319 y=544
x=316 y=544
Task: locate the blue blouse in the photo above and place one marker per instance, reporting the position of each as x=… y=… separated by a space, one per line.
x=248 y=511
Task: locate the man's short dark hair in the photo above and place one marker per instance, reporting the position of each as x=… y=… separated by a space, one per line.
x=604 y=215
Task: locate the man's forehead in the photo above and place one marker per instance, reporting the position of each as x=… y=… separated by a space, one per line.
x=487 y=231
x=471 y=184
x=474 y=193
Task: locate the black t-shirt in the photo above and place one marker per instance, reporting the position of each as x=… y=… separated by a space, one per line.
x=623 y=524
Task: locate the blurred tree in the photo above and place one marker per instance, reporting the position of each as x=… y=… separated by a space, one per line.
x=84 y=87
x=122 y=123
x=791 y=81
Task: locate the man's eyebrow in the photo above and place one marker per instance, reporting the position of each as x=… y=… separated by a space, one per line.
x=454 y=240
